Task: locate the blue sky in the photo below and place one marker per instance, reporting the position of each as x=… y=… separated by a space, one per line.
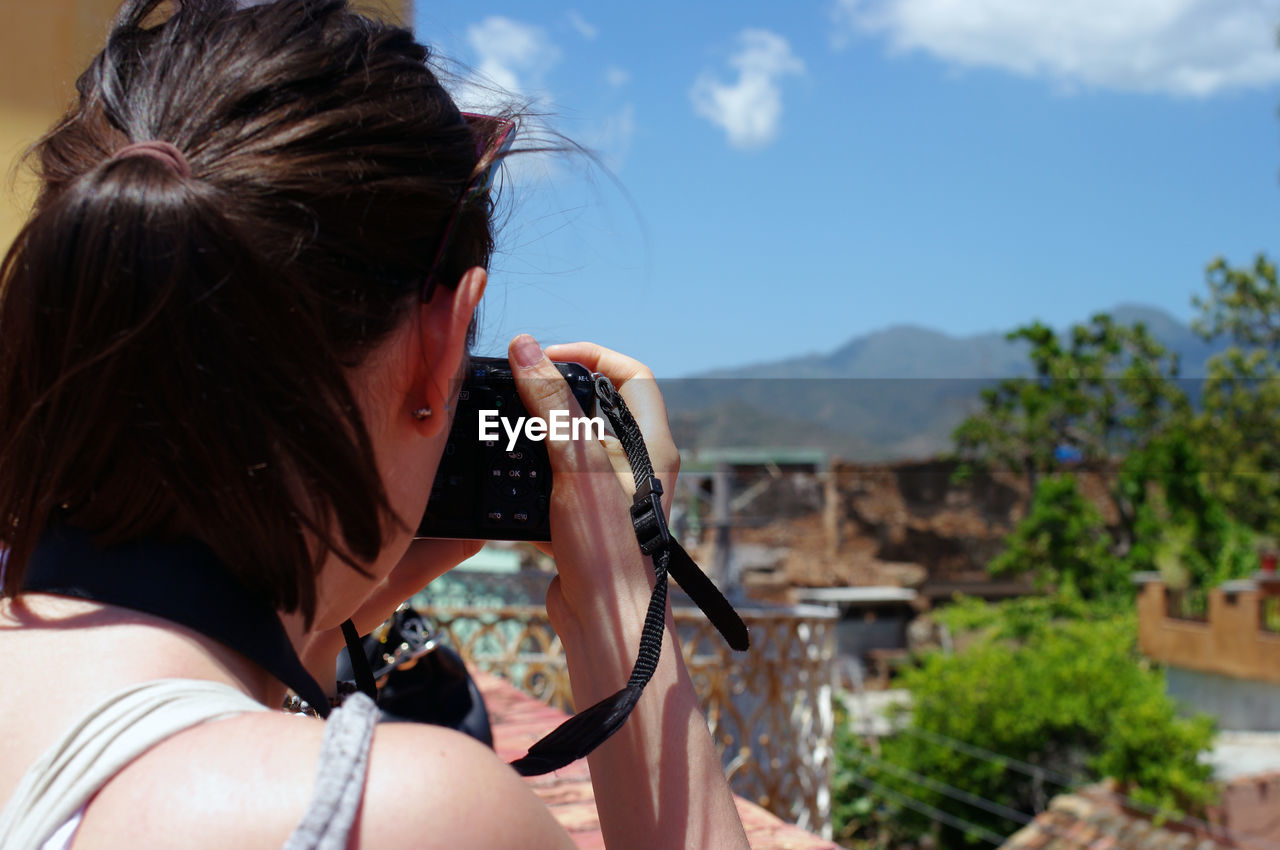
x=791 y=175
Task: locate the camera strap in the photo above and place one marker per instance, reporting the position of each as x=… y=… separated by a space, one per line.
x=591 y=727
x=179 y=580
x=588 y=729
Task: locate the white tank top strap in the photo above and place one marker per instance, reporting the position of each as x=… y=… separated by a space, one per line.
x=340 y=775
x=101 y=743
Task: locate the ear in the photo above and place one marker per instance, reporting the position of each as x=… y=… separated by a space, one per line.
x=443 y=323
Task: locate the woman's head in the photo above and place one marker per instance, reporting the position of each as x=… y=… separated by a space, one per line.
x=174 y=349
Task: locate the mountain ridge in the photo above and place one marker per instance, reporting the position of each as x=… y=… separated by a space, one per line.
x=1003 y=359
x=891 y=393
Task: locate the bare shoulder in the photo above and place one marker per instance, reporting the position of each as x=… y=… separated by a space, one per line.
x=246 y=781
x=426 y=782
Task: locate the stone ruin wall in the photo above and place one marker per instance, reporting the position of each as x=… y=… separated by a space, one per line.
x=903 y=523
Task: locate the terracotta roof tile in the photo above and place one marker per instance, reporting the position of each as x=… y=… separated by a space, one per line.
x=518 y=720
x=1074 y=821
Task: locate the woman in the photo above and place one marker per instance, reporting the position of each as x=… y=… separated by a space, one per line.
x=230 y=337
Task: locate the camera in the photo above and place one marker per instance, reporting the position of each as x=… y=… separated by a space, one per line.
x=494 y=480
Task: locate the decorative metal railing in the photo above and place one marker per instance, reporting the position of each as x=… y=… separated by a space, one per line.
x=769 y=710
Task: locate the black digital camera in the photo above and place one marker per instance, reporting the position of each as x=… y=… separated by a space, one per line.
x=499 y=488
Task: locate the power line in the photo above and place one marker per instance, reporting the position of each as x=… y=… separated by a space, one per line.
x=934 y=814
x=1032 y=770
x=975 y=800
x=983 y=803
x=958 y=794
x=1035 y=771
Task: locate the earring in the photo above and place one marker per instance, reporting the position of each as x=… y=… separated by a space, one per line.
x=422 y=413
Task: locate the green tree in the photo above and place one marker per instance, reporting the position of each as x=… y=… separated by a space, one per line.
x=1101 y=393
x=1063 y=543
x=1183 y=527
x=1071 y=696
x=1243 y=303
x=1240 y=403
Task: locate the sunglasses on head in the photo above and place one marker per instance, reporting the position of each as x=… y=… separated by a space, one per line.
x=494 y=137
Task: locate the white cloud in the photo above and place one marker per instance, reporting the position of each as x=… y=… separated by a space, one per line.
x=612 y=137
x=514 y=58
x=584 y=28
x=750 y=109
x=617 y=77
x=1180 y=47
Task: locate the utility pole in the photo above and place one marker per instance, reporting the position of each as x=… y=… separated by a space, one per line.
x=722 y=522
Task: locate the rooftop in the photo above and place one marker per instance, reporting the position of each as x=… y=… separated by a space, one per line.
x=706 y=460
x=882 y=593
x=1074 y=821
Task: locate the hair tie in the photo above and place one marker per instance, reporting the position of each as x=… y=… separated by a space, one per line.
x=166 y=152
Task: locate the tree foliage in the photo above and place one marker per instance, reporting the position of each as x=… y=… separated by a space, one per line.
x=1243 y=303
x=1064 y=544
x=1240 y=405
x=1108 y=394
x=1069 y=695
x=1101 y=393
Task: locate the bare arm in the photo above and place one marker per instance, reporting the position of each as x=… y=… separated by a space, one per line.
x=658 y=782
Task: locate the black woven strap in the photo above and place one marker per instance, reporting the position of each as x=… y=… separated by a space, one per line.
x=588 y=729
x=651 y=523
x=363 y=671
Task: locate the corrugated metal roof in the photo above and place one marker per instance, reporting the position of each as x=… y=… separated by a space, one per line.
x=705 y=460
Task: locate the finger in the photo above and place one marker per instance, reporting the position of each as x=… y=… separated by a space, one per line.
x=620 y=462
x=545 y=392
x=639 y=389
x=620 y=370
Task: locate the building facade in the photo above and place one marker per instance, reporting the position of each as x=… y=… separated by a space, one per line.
x=1224 y=661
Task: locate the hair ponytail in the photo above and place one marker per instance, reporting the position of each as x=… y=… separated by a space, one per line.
x=136 y=325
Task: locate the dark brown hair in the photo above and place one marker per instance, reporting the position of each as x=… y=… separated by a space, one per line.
x=173 y=350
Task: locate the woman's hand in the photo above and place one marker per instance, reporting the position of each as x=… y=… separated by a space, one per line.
x=640 y=390
x=601 y=570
